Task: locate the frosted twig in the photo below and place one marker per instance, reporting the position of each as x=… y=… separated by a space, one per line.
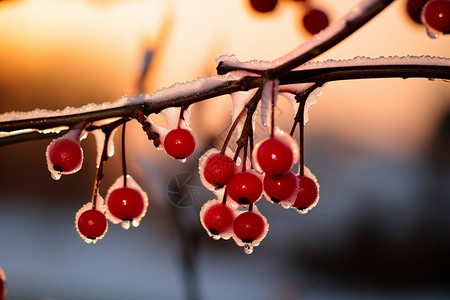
x=16 y=129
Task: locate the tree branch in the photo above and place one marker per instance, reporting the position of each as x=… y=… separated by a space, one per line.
x=319 y=75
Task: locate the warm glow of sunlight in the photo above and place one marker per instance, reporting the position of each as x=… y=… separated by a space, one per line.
x=59 y=53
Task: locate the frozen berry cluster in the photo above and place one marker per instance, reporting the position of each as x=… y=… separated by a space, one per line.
x=234 y=213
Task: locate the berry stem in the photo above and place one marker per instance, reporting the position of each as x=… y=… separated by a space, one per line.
x=300 y=119
x=146 y=126
x=124 y=160
x=301 y=127
x=224 y=199
x=107 y=129
x=272 y=112
x=232 y=128
x=82 y=128
x=250 y=207
x=248 y=109
x=244 y=157
x=181 y=117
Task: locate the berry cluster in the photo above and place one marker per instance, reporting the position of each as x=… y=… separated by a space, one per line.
x=433 y=14
x=240 y=188
x=126 y=202
x=314 y=20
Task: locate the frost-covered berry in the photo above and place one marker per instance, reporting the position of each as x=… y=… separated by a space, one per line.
x=245 y=188
x=125 y=203
x=179 y=143
x=217 y=218
x=218 y=169
x=92 y=224
x=307 y=193
x=274 y=157
x=64 y=155
x=281 y=187
x=249 y=226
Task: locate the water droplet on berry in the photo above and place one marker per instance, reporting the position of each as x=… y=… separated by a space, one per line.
x=135 y=223
x=431 y=32
x=126 y=224
x=56 y=176
x=248 y=248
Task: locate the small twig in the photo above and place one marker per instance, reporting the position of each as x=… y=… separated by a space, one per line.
x=146 y=126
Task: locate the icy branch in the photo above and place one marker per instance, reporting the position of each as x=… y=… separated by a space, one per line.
x=36 y=124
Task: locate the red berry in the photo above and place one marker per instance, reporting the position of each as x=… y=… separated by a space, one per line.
x=280 y=187
x=307 y=193
x=414 y=9
x=436 y=14
x=315 y=20
x=92 y=224
x=65 y=155
x=179 y=143
x=125 y=203
x=218 y=169
x=2 y=284
x=274 y=157
x=245 y=188
x=263 y=6
x=249 y=226
x=218 y=219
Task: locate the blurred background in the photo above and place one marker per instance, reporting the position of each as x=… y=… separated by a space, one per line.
x=379 y=148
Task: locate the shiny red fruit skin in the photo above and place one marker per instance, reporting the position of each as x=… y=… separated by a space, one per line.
x=245 y=188
x=218 y=169
x=436 y=14
x=179 y=143
x=307 y=193
x=280 y=187
x=315 y=20
x=92 y=223
x=414 y=9
x=65 y=154
x=218 y=218
x=125 y=203
x=263 y=6
x=249 y=226
x=274 y=157
x=2 y=289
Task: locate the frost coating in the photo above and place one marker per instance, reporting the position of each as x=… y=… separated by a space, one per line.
x=202 y=163
x=131 y=183
x=283 y=137
x=268 y=102
x=229 y=231
x=232 y=61
x=53 y=154
x=239 y=100
x=248 y=247
x=99 y=205
x=308 y=173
